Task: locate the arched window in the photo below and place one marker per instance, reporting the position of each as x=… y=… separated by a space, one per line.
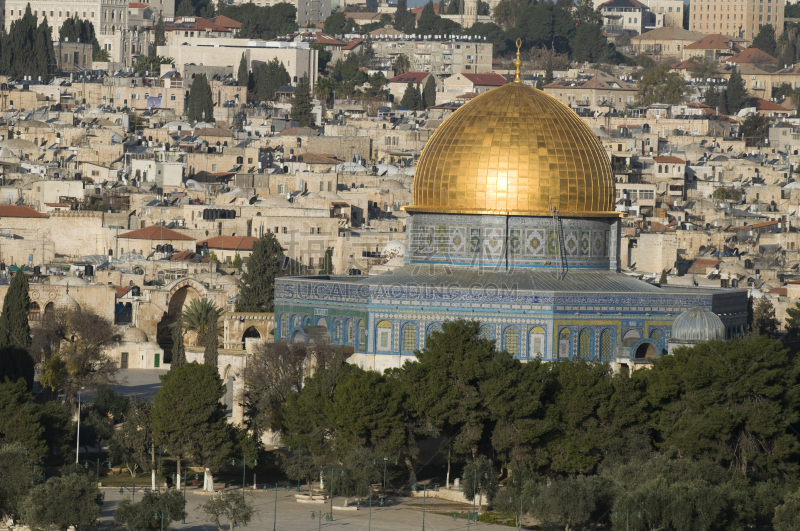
x=655 y=335
x=511 y=341
x=49 y=309
x=536 y=342
x=487 y=332
x=362 y=335
x=33 y=312
x=435 y=327
x=605 y=345
x=585 y=345
x=409 y=338
x=351 y=332
x=384 y=336
x=659 y=168
x=563 y=344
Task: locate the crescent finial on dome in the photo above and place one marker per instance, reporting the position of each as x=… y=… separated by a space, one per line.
x=517 y=62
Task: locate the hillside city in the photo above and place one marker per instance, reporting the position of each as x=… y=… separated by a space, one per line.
x=325 y=256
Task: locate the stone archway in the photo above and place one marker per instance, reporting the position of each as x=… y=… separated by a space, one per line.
x=181 y=293
x=646 y=350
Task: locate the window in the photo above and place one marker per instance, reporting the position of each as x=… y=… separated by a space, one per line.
x=487 y=332
x=384 y=338
x=605 y=345
x=584 y=345
x=536 y=342
x=409 y=338
x=511 y=341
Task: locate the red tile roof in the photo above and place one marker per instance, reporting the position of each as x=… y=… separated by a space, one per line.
x=230 y=243
x=754 y=56
x=327 y=40
x=410 y=77
x=766 y=105
x=122 y=290
x=781 y=292
x=155 y=232
x=352 y=44
x=137 y=5
x=713 y=42
x=670 y=159
x=417 y=11
x=755 y=225
x=226 y=22
x=488 y=80
x=17 y=211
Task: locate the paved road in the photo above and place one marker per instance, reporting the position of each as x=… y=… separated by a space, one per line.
x=142 y=382
x=293 y=516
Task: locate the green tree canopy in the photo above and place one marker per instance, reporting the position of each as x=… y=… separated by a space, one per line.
x=132 y=442
x=243 y=74
x=188 y=419
x=764 y=320
x=257 y=285
x=736 y=95
x=269 y=77
x=72 y=499
x=303 y=104
x=200 y=105
x=412 y=98
x=659 y=85
x=403 y=18
x=147 y=514
x=429 y=93
x=263 y=22
x=765 y=40
x=729 y=402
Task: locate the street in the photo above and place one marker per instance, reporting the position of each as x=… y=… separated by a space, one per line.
x=401 y=514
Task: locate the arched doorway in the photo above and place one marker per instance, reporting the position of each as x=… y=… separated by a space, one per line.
x=49 y=311
x=180 y=298
x=645 y=351
x=250 y=333
x=33 y=312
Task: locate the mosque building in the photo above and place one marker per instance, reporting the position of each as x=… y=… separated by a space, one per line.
x=513 y=225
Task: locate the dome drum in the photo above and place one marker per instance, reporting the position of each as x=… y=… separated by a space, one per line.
x=513 y=241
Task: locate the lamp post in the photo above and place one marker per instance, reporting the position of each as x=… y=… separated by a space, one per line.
x=319 y=515
x=161 y=515
x=385 y=462
x=106 y=462
x=78 y=441
x=275 y=511
x=424 y=498
x=243 y=461
x=133 y=492
x=521 y=501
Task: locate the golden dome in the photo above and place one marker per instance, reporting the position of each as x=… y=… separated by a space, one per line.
x=514 y=150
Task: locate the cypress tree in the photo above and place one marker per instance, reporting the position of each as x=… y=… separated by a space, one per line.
x=410 y=96
x=548 y=71
x=302 y=104
x=201 y=104
x=160 y=35
x=178 y=348
x=15 y=332
x=185 y=9
x=736 y=96
x=211 y=342
x=429 y=93
x=243 y=76
x=257 y=286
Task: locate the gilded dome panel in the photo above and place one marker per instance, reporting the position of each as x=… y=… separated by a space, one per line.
x=518 y=151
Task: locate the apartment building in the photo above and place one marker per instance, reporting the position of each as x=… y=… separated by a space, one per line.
x=470 y=55
x=737 y=18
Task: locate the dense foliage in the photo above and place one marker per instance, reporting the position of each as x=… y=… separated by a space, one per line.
x=705 y=439
x=257 y=286
x=265 y=22
x=27 y=48
x=200 y=104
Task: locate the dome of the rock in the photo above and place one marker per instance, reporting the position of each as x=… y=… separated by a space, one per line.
x=514 y=150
